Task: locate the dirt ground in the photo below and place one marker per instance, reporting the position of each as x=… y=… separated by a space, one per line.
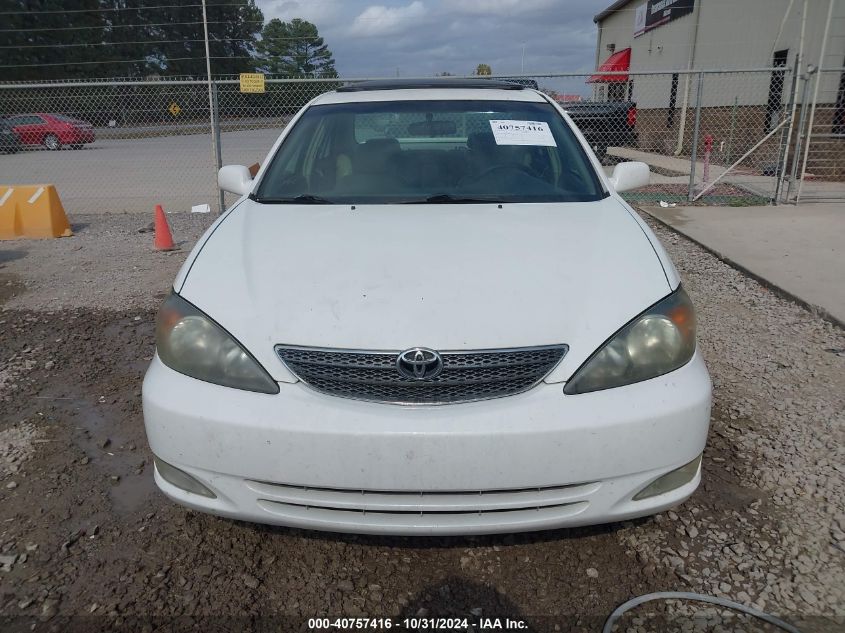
x=87 y=542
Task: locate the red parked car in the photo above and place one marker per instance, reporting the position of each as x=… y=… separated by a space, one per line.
x=51 y=130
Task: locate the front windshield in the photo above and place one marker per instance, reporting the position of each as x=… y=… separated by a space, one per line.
x=430 y=151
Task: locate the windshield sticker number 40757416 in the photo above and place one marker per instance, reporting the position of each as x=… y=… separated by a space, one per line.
x=511 y=132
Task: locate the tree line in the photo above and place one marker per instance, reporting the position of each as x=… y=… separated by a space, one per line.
x=57 y=39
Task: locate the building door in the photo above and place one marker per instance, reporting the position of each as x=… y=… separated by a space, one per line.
x=617 y=91
x=839 y=111
x=776 y=88
x=673 y=100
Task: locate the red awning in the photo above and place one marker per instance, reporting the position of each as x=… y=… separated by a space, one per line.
x=620 y=61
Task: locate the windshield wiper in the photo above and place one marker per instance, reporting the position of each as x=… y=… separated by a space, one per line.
x=446 y=198
x=305 y=198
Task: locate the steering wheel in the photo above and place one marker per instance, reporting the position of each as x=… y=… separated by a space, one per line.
x=497 y=168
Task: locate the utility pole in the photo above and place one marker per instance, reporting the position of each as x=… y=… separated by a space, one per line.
x=215 y=148
x=523 y=58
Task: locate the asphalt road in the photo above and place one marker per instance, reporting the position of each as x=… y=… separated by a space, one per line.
x=131 y=175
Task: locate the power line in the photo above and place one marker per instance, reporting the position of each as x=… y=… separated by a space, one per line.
x=123 y=61
x=211 y=41
x=120 y=26
x=110 y=9
x=224 y=39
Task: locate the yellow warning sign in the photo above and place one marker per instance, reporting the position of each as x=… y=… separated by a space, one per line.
x=252 y=82
x=174 y=109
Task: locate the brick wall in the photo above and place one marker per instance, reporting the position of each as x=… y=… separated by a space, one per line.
x=735 y=130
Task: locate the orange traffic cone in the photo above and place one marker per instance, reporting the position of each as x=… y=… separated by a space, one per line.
x=163 y=240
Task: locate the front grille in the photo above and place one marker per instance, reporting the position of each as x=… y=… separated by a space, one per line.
x=424 y=512
x=466 y=375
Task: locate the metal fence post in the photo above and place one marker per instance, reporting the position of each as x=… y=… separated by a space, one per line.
x=783 y=155
x=694 y=155
x=799 y=131
x=728 y=154
x=815 y=100
x=218 y=153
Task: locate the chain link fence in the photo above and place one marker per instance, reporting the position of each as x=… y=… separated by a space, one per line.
x=819 y=148
x=712 y=137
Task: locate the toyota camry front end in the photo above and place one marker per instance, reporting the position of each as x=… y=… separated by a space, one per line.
x=429 y=313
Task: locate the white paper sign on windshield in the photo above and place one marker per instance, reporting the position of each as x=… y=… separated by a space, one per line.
x=510 y=132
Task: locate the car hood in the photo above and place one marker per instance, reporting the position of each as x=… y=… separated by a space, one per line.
x=447 y=277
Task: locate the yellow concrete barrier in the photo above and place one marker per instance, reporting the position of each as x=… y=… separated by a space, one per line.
x=33 y=211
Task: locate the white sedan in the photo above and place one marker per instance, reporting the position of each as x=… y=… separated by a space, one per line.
x=430 y=312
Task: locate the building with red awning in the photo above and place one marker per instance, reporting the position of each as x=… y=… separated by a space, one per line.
x=620 y=61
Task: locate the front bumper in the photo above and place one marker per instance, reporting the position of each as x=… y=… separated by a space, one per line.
x=537 y=460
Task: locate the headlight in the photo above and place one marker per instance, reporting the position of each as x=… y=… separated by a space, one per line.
x=660 y=340
x=191 y=343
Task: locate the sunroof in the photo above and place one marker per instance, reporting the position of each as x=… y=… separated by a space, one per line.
x=418 y=84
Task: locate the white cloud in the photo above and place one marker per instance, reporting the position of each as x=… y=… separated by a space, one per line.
x=324 y=13
x=503 y=9
x=421 y=37
x=382 y=20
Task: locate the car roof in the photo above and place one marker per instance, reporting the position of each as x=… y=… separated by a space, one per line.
x=438 y=89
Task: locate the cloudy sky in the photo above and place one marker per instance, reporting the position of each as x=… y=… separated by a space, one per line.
x=423 y=37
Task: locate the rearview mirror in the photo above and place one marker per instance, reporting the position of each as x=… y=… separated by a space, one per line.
x=432 y=128
x=235 y=179
x=627 y=176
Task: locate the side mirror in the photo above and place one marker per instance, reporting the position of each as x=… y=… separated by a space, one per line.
x=235 y=179
x=627 y=176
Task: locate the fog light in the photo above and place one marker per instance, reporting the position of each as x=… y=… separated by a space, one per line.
x=670 y=481
x=181 y=479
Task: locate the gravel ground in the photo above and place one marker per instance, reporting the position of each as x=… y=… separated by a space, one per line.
x=108 y=263
x=779 y=428
x=87 y=542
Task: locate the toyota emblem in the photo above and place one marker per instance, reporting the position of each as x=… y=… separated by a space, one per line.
x=419 y=363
